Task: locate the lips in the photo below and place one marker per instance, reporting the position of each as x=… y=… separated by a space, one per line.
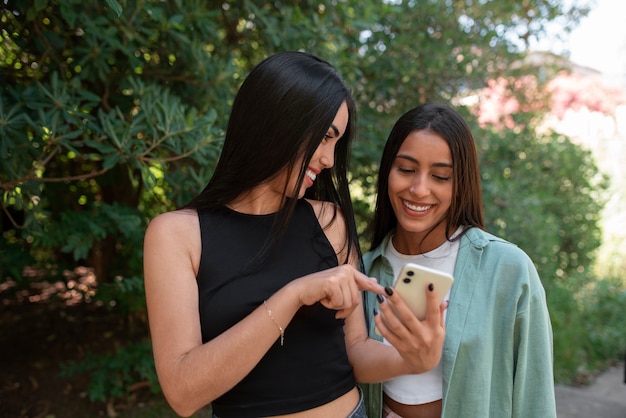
x=416 y=207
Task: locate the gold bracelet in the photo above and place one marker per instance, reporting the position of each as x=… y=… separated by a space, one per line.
x=282 y=331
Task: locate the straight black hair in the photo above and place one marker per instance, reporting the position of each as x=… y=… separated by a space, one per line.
x=282 y=111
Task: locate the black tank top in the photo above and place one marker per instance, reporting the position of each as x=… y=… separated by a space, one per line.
x=312 y=367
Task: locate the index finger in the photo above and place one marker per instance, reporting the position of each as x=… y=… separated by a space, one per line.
x=368 y=283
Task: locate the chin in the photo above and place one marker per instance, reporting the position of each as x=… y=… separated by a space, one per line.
x=414 y=228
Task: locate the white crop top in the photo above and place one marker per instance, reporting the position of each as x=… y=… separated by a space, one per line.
x=415 y=389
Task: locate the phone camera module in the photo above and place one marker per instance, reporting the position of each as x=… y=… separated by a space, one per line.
x=406 y=280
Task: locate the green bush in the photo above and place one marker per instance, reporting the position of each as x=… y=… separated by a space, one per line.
x=114 y=111
x=113 y=375
x=604 y=301
x=589 y=330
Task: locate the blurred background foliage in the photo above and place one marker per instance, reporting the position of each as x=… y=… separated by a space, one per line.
x=114 y=111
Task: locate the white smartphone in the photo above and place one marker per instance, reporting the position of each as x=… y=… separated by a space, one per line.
x=412 y=284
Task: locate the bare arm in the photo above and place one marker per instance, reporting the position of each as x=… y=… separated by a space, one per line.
x=193 y=374
x=416 y=345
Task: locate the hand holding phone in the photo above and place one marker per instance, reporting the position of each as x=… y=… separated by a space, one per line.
x=412 y=282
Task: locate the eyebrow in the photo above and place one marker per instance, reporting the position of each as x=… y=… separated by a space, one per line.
x=334 y=128
x=413 y=160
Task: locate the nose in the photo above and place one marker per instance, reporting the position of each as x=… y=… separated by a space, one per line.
x=419 y=186
x=328 y=158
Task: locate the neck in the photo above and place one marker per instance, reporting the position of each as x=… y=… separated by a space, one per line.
x=413 y=243
x=258 y=201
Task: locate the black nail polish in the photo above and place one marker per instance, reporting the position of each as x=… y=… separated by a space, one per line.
x=431 y=287
x=388 y=290
x=380 y=298
x=375 y=311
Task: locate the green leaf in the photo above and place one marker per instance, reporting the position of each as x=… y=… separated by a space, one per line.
x=111 y=161
x=115 y=6
x=103 y=147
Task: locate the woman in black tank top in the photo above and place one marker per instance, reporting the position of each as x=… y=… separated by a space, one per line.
x=253 y=288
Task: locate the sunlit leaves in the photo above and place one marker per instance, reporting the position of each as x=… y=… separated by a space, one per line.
x=129 y=104
x=545 y=194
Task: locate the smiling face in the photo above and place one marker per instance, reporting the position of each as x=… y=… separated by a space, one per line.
x=420 y=191
x=324 y=157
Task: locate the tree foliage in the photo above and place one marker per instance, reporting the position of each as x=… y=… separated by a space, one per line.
x=530 y=189
x=112 y=111
x=99 y=118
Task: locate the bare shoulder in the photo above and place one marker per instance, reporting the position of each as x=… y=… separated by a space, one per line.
x=333 y=223
x=174 y=234
x=174 y=222
x=328 y=214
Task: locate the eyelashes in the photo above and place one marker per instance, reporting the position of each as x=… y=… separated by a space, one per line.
x=404 y=170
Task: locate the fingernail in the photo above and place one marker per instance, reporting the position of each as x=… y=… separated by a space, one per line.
x=388 y=290
x=431 y=287
x=375 y=311
x=380 y=298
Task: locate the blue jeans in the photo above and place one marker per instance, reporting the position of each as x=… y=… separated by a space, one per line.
x=358 y=411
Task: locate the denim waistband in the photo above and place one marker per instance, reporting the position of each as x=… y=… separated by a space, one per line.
x=359 y=410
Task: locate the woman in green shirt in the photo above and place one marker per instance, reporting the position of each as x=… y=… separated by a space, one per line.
x=497 y=354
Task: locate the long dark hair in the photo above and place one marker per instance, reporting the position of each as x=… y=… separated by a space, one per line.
x=467 y=206
x=282 y=111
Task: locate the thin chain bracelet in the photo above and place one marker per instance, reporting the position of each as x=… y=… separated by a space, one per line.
x=282 y=331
